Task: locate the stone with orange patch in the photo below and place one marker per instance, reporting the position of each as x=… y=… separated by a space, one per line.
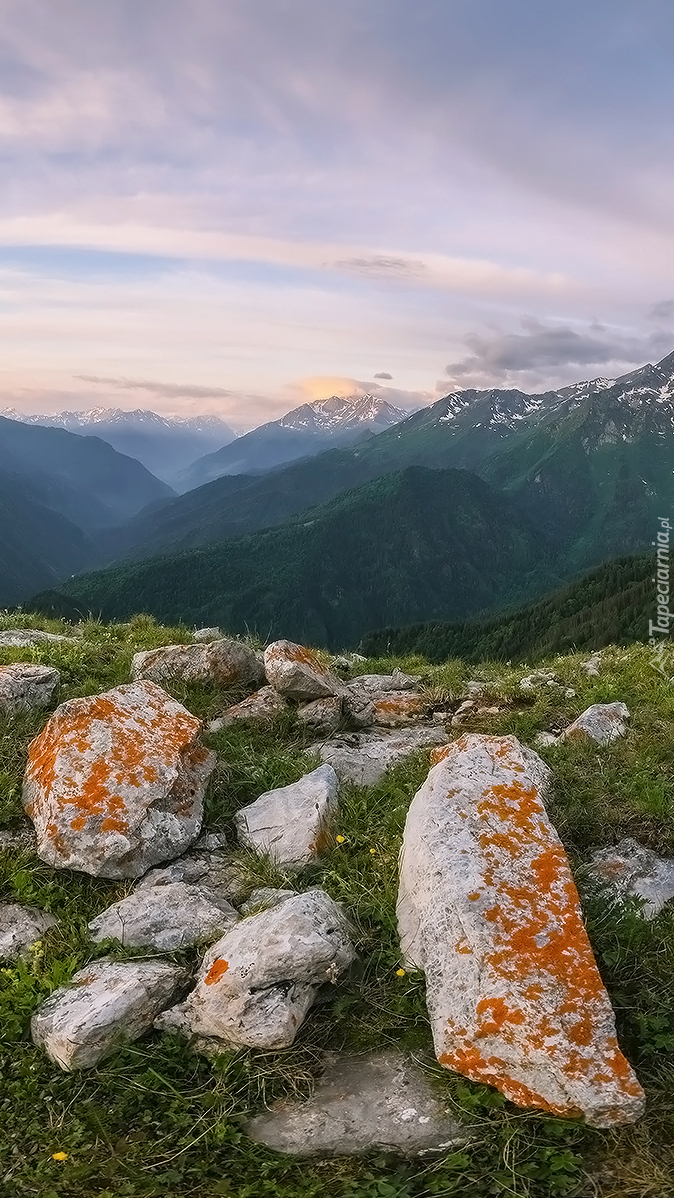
x=115 y=782
x=602 y=722
x=225 y=662
x=482 y=868
x=297 y=673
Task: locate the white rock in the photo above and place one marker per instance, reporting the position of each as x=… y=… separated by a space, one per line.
x=380 y=1102
x=226 y=662
x=265 y=897
x=539 y=678
x=630 y=870
x=206 y=634
x=26 y=687
x=263 y=705
x=115 y=782
x=24 y=638
x=257 y=984
x=569 y=693
x=322 y=716
x=545 y=739
x=603 y=722
x=297 y=673
x=488 y=909
x=592 y=666
x=378 y=684
x=474 y=689
x=209 y=866
x=21 y=926
x=364 y=757
x=291 y=824
x=165 y=918
x=108 y=1003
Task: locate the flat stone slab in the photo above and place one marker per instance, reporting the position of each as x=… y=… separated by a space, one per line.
x=630 y=870
x=258 y=982
x=115 y=782
x=26 y=687
x=24 y=638
x=380 y=1102
x=108 y=1003
x=364 y=757
x=165 y=918
x=21 y=926
x=602 y=722
x=291 y=824
x=487 y=907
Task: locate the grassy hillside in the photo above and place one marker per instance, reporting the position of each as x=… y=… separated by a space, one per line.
x=610 y=605
x=156 y=1121
x=417 y=544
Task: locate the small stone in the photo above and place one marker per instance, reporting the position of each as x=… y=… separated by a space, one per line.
x=364 y=757
x=474 y=689
x=21 y=926
x=545 y=739
x=537 y=679
x=603 y=722
x=265 y=897
x=569 y=693
x=26 y=687
x=592 y=666
x=487 y=907
x=296 y=672
x=201 y=635
x=227 y=663
x=263 y=705
x=165 y=918
x=258 y=982
x=396 y=709
x=291 y=824
x=630 y=870
x=381 y=1102
x=322 y=716
x=109 y=1003
x=115 y=782
x=489 y=710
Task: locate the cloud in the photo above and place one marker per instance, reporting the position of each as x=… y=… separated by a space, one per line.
x=383 y=267
x=549 y=355
x=662 y=311
x=165 y=390
x=383 y=374
x=323 y=386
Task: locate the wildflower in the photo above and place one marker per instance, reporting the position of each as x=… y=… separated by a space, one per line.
x=400 y=973
x=341 y=839
x=373 y=850
x=59 y=1156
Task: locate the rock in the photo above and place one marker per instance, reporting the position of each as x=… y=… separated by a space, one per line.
x=201 y=635
x=109 y=1003
x=165 y=918
x=297 y=673
x=539 y=678
x=257 y=984
x=262 y=705
x=364 y=757
x=630 y=870
x=21 y=926
x=545 y=739
x=341 y=663
x=227 y=663
x=397 y=709
x=26 y=687
x=489 y=710
x=378 y=684
x=19 y=840
x=488 y=909
x=322 y=716
x=291 y=824
x=475 y=689
x=384 y=699
x=603 y=722
x=25 y=638
x=380 y=1102
x=569 y=693
x=115 y=782
x=211 y=868
x=264 y=898
x=592 y=666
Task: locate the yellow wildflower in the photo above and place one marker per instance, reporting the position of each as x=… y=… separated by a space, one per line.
x=59 y=1156
x=341 y=839
x=400 y=973
x=373 y=850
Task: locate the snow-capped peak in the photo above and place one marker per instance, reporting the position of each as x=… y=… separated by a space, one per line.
x=339 y=413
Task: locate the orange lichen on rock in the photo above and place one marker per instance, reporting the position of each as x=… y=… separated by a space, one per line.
x=101 y=764
x=535 y=1019
x=218 y=968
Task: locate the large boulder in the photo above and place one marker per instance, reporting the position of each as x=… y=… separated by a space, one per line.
x=381 y=1102
x=365 y=757
x=296 y=672
x=26 y=687
x=631 y=871
x=257 y=984
x=108 y=1003
x=115 y=782
x=20 y=927
x=166 y=918
x=261 y=706
x=227 y=663
x=322 y=717
x=602 y=722
x=488 y=909
x=291 y=824
x=389 y=700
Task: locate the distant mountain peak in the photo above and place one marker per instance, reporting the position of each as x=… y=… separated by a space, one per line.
x=338 y=413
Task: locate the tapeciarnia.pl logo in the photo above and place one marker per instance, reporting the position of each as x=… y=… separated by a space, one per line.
x=658 y=629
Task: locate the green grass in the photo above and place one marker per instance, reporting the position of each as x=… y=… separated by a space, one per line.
x=156 y=1120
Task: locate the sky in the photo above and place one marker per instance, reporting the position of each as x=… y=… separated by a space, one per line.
x=231 y=207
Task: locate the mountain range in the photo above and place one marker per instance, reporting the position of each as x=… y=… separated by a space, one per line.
x=302 y=433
